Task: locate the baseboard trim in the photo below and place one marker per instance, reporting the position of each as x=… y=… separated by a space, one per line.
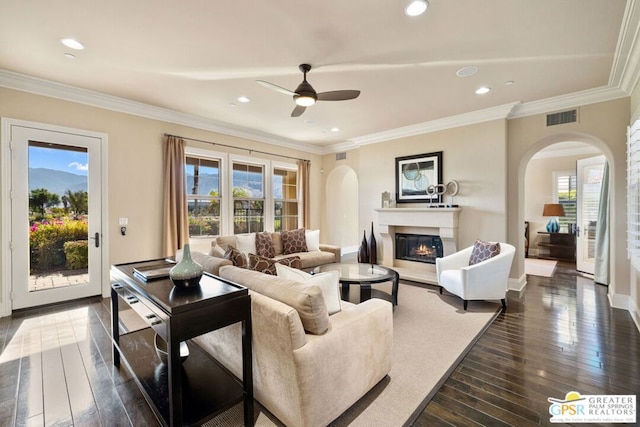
x=635 y=313
x=620 y=301
x=518 y=284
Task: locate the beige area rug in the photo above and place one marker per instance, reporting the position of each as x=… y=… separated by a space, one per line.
x=540 y=267
x=431 y=334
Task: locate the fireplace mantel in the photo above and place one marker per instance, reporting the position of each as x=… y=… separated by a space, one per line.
x=436 y=221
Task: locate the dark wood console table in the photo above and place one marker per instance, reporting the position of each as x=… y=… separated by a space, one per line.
x=193 y=391
x=560 y=246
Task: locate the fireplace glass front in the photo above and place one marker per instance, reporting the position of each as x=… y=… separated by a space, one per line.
x=418 y=247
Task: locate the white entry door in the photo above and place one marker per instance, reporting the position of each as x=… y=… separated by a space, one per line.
x=589 y=177
x=56 y=215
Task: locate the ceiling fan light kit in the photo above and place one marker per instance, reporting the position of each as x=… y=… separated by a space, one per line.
x=305 y=95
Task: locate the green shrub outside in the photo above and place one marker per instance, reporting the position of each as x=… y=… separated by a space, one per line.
x=77 y=254
x=46 y=240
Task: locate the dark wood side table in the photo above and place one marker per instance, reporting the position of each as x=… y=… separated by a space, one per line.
x=193 y=391
x=560 y=246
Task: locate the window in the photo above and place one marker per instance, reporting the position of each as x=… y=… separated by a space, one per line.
x=285 y=199
x=566 y=193
x=248 y=198
x=202 y=180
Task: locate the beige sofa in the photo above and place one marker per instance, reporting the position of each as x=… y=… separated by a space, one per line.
x=310 y=259
x=305 y=379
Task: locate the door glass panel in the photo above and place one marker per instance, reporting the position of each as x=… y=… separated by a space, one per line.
x=58 y=216
x=591 y=183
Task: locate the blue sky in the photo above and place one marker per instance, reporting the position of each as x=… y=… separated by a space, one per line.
x=56 y=159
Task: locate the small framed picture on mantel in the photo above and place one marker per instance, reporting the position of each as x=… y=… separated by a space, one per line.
x=417 y=178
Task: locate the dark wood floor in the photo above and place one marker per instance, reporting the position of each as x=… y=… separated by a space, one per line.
x=558 y=336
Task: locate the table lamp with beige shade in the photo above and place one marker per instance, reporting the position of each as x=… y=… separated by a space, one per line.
x=554 y=210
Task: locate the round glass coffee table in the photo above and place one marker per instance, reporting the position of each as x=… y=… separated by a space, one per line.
x=364 y=275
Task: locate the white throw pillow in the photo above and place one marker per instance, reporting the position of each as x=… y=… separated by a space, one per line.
x=246 y=243
x=327 y=282
x=313 y=239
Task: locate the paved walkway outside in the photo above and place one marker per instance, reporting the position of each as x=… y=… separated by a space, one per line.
x=57 y=279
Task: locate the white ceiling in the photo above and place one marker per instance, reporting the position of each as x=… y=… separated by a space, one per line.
x=196 y=57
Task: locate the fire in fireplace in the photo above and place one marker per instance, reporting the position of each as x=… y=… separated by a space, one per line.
x=418 y=247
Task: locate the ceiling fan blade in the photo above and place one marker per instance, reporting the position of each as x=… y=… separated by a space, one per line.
x=297 y=112
x=338 y=95
x=275 y=87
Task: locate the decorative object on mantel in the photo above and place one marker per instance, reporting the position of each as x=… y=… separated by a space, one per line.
x=373 y=248
x=554 y=210
x=363 y=251
x=386 y=200
x=452 y=190
x=186 y=273
x=414 y=176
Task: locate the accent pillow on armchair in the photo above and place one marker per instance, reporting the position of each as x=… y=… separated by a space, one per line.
x=482 y=251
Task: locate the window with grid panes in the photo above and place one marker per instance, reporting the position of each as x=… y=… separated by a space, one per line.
x=202 y=181
x=248 y=198
x=566 y=195
x=285 y=198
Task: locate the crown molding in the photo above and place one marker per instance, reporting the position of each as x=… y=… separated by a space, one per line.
x=570 y=100
x=24 y=83
x=494 y=113
x=625 y=70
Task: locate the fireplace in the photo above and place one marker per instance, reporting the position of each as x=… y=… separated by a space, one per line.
x=418 y=247
x=441 y=222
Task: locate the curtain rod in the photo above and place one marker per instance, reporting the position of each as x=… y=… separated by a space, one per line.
x=237 y=148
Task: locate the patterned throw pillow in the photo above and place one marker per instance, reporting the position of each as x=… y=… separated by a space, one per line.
x=237 y=258
x=294 y=241
x=268 y=265
x=264 y=245
x=482 y=251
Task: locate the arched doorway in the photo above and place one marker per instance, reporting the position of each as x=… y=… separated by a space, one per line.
x=530 y=196
x=342 y=207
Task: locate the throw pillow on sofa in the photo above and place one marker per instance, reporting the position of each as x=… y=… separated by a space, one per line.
x=268 y=265
x=312 y=238
x=327 y=282
x=246 y=243
x=482 y=251
x=294 y=241
x=264 y=245
x=236 y=257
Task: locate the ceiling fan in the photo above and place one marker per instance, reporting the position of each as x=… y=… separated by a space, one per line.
x=305 y=96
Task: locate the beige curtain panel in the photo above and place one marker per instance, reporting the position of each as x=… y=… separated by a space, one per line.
x=176 y=216
x=304 y=173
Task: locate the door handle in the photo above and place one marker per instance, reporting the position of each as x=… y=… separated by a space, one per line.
x=577 y=231
x=96 y=239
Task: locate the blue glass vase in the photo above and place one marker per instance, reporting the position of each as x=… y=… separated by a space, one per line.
x=553 y=226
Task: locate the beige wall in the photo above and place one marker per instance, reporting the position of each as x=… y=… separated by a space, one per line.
x=135 y=164
x=473 y=155
x=602 y=125
x=538 y=190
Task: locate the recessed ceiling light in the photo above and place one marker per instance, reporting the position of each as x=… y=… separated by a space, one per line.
x=335 y=129
x=231 y=104
x=69 y=55
x=243 y=99
x=416 y=8
x=467 y=71
x=482 y=90
x=509 y=82
x=72 y=43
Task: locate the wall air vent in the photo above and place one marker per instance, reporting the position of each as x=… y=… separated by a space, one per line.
x=569 y=116
x=341 y=156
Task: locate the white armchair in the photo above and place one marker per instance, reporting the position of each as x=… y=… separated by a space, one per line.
x=487 y=280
